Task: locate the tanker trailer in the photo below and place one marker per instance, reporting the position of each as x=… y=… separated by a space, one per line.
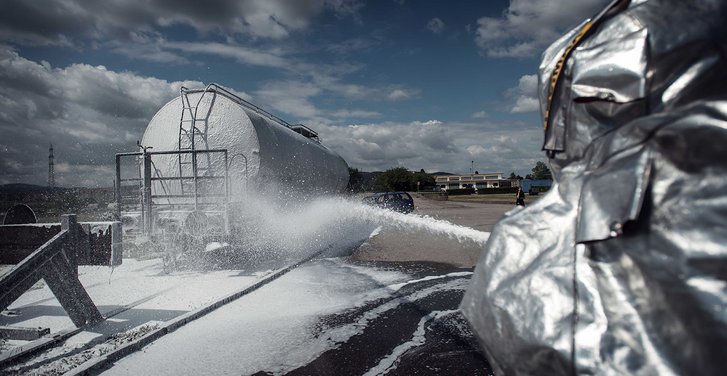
x=207 y=151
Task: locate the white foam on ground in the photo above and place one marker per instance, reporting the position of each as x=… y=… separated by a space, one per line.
x=390 y=362
x=274 y=329
x=291 y=232
x=398 y=286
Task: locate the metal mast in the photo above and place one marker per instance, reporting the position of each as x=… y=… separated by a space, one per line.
x=51 y=177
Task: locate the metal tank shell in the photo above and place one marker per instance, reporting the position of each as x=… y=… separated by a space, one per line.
x=264 y=153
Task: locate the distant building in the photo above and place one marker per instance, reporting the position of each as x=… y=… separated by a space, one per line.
x=486 y=180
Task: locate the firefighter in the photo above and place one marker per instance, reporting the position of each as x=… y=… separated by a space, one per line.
x=621 y=267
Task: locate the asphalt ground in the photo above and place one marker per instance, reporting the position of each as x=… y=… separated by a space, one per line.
x=449 y=347
x=401 y=245
x=423 y=334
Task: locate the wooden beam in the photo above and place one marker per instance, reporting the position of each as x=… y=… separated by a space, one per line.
x=104 y=242
x=22 y=333
x=56 y=263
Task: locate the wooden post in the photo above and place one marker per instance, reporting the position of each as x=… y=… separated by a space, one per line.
x=56 y=262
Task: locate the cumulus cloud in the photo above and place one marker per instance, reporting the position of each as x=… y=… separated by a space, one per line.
x=242 y=54
x=291 y=97
x=326 y=77
x=400 y=94
x=525 y=104
x=68 y=21
x=528 y=26
x=435 y=145
x=87 y=112
x=348 y=114
x=90 y=113
x=435 y=25
x=525 y=94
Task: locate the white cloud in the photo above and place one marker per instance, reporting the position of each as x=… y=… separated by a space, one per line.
x=90 y=112
x=87 y=112
x=291 y=97
x=528 y=26
x=400 y=94
x=326 y=77
x=64 y=22
x=528 y=84
x=435 y=25
x=243 y=55
x=479 y=115
x=295 y=98
x=475 y=150
x=355 y=114
x=526 y=95
x=435 y=145
x=525 y=104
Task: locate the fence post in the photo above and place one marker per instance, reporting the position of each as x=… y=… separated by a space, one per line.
x=146 y=195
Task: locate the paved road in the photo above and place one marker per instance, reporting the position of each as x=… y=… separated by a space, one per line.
x=395 y=244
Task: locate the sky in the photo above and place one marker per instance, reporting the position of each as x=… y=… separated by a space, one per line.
x=434 y=85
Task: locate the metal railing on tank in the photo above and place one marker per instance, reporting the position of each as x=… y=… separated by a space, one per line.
x=297 y=128
x=151 y=193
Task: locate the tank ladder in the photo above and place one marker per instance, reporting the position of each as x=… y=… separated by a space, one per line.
x=193 y=135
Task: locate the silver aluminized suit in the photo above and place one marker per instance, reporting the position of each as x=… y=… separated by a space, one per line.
x=621 y=268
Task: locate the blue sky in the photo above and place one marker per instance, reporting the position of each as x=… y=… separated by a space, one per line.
x=428 y=85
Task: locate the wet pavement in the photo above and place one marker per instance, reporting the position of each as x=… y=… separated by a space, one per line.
x=424 y=335
x=389 y=308
x=448 y=346
x=397 y=244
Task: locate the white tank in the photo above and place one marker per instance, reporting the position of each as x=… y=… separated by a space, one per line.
x=264 y=153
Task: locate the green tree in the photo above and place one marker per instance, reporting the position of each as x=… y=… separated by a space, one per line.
x=394 y=179
x=541 y=171
x=424 y=179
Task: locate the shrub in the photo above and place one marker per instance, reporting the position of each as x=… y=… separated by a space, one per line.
x=460 y=192
x=490 y=191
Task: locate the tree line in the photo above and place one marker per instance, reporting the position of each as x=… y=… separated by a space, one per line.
x=540 y=171
x=393 y=179
x=401 y=179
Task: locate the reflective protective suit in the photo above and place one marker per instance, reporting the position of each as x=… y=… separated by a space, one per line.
x=621 y=268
